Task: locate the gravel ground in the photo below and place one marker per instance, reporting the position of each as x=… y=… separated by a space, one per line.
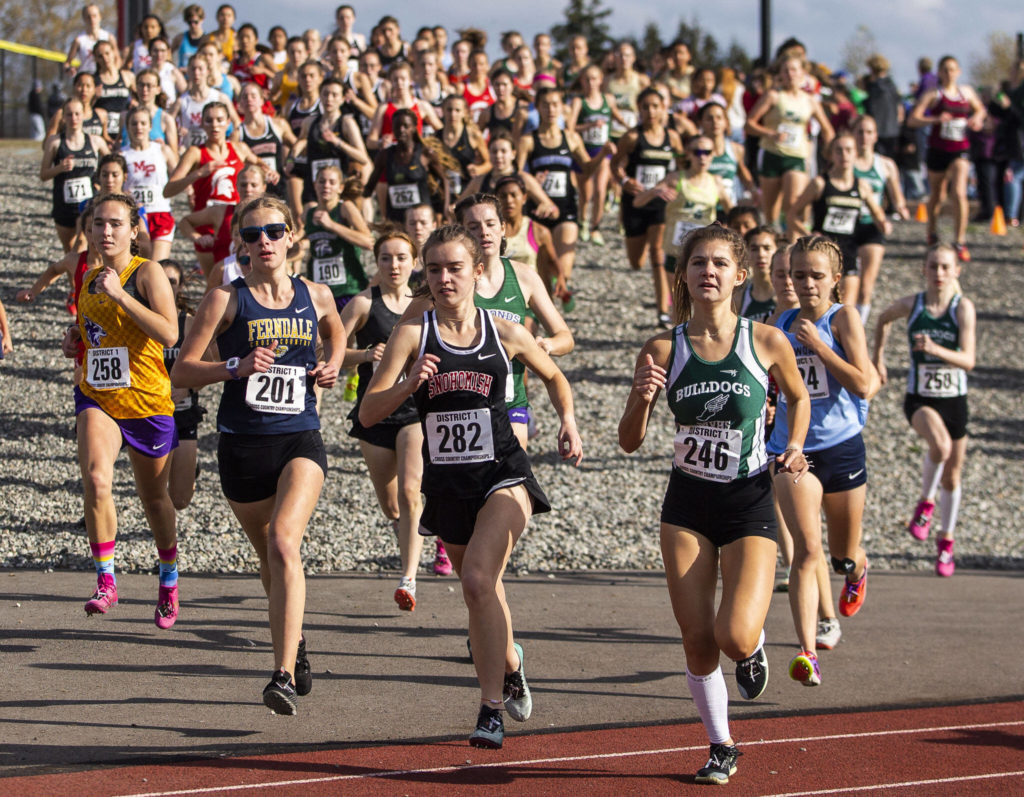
x=605 y=513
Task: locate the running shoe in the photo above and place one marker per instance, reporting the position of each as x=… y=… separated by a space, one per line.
x=804 y=668
x=279 y=694
x=585 y=231
x=490 y=729
x=829 y=633
x=596 y=238
x=944 y=565
x=752 y=674
x=166 y=607
x=721 y=764
x=303 y=672
x=405 y=595
x=921 y=523
x=442 y=564
x=516 y=692
x=963 y=253
x=852 y=596
x=104 y=597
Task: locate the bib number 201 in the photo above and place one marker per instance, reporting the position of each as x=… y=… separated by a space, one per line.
x=282 y=389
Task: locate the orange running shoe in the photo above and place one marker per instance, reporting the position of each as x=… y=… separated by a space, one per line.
x=852 y=596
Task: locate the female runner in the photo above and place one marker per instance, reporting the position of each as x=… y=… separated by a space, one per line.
x=163 y=127
x=392 y=448
x=951 y=110
x=188 y=109
x=125 y=317
x=148 y=163
x=941 y=325
x=94 y=118
x=115 y=86
x=882 y=175
x=507 y=113
x=728 y=156
x=271 y=456
x=70 y=159
x=480 y=490
x=464 y=142
x=527 y=241
x=779 y=119
x=268 y=137
x=756 y=300
x=502 y=151
x=644 y=156
x=832 y=355
x=400 y=97
x=718 y=507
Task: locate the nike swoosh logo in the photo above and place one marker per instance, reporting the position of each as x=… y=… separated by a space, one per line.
x=302 y=309
x=855 y=475
x=157 y=448
x=485 y=356
x=509 y=299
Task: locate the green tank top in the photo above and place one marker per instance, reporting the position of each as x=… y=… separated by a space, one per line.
x=875 y=177
x=510 y=304
x=755 y=309
x=724 y=166
x=596 y=136
x=719 y=409
x=333 y=261
x=930 y=376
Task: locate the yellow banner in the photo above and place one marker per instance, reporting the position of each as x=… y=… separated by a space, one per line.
x=38 y=52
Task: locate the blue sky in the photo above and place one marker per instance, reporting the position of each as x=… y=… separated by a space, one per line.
x=904 y=29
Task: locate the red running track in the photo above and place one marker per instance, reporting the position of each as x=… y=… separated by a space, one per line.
x=925 y=752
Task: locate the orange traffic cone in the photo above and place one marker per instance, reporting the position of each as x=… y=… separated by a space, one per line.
x=922 y=213
x=998 y=222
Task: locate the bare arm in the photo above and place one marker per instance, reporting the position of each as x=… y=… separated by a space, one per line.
x=560 y=340
x=899 y=309
x=386 y=390
x=856 y=374
x=650 y=377
x=159 y=321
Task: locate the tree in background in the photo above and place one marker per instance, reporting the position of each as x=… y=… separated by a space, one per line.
x=704 y=47
x=857 y=50
x=996 y=65
x=583 y=18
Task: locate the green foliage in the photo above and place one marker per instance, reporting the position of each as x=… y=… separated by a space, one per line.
x=857 y=49
x=583 y=18
x=705 y=49
x=997 y=64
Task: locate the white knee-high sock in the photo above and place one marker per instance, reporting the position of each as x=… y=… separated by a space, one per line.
x=865 y=312
x=949 y=506
x=712 y=700
x=931 y=472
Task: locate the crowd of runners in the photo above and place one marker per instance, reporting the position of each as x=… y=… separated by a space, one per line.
x=401 y=215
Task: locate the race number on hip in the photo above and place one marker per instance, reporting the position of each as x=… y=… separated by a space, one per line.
x=404 y=196
x=840 y=221
x=321 y=163
x=556 y=184
x=790 y=135
x=77 y=189
x=282 y=390
x=935 y=380
x=812 y=371
x=953 y=130
x=649 y=176
x=596 y=136
x=143 y=195
x=107 y=369
x=682 y=229
x=329 y=270
x=708 y=453
x=456 y=438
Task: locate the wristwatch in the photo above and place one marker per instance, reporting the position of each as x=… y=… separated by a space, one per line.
x=232 y=366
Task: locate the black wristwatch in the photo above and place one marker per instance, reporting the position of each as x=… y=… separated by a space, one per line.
x=232 y=366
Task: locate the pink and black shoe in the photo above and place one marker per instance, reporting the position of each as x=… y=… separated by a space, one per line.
x=166 y=607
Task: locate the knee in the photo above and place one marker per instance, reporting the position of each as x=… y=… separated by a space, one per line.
x=282 y=551
x=391 y=509
x=736 y=644
x=409 y=500
x=478 y=587
x=950 y=479
x=98 y=483
x=181 y=499
x=941 y=449
x=701 y=649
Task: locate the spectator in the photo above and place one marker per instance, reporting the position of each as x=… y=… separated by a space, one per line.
x=883 y=103
x=37 y=111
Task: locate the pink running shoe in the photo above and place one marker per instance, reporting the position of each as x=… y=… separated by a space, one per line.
x=944 y=565
x=921 y=523
x=166 y=607
x=442 y=564
x=104 y=597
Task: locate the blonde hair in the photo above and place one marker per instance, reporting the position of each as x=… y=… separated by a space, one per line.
x=266 y=202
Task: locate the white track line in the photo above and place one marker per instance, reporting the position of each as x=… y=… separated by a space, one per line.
x=904 y=784
x=598 y=756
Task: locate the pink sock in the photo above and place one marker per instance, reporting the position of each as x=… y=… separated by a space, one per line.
x=103 y=557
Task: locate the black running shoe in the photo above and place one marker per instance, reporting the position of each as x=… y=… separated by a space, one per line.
x=721 y=764
x=303 y=673
x=752 y=674
x=279 y=694
x=490 y=729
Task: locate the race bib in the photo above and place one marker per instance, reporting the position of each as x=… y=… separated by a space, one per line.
x=282 y=390
x=556 y=184
x=320 y=163
x=814 y=375
x=953 y=130
x=404 y=196
x=270 y=161
x=457 y=438
x=649 y=176
x=183 y=404
x=596 y=136
x=683 y=228
x=144 y=195
x=840 y=221
x=329 y=270
x=113 y=124
x=708 y=453
x=935 y=380
x=107 y=369
x=454 y=183
x=77 y=189
x=790 y=135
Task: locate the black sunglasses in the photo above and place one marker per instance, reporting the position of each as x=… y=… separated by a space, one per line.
x=701 y=152
x=275 y=232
